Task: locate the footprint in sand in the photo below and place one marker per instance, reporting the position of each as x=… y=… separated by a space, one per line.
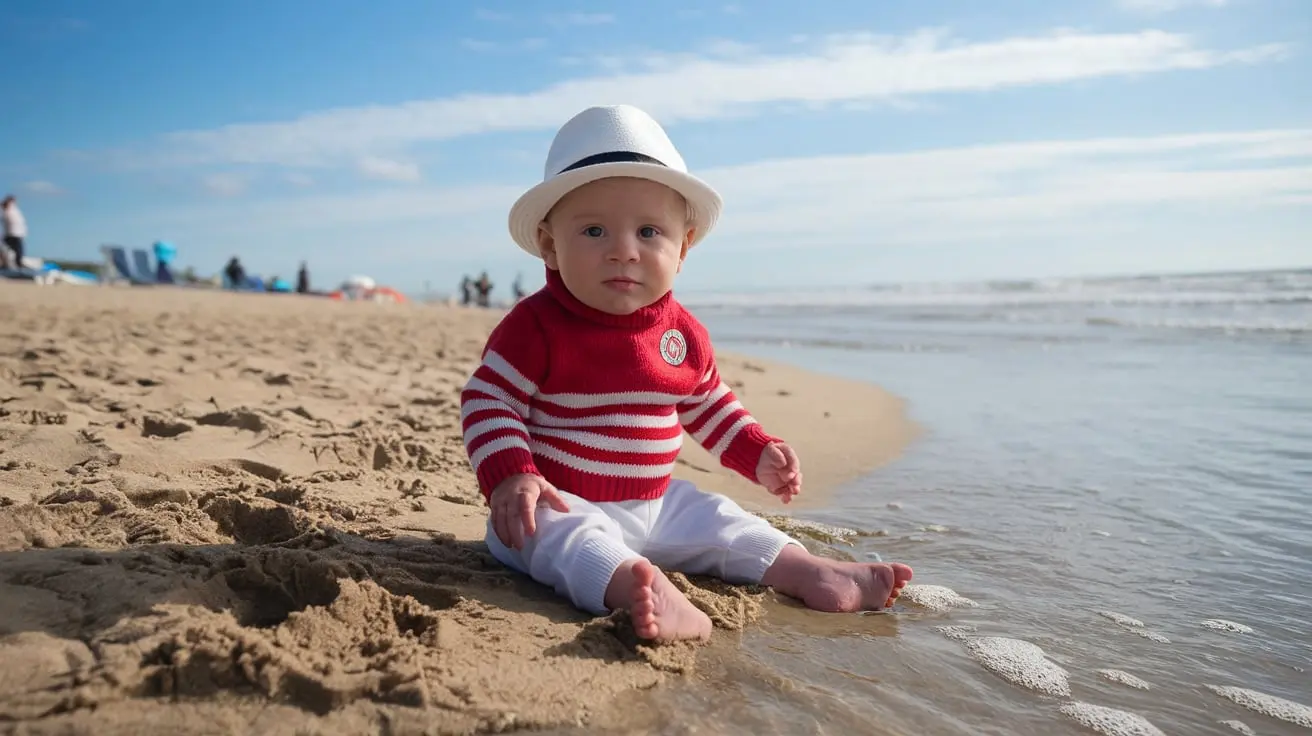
x=241 y=418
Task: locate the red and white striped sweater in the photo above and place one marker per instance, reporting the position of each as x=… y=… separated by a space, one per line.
x=597 y=403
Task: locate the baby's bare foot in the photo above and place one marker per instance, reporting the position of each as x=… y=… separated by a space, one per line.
x=855 y=586
x=829 y=585
x=660 y=611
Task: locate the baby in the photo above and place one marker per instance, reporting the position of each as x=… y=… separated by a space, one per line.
x=576 y=415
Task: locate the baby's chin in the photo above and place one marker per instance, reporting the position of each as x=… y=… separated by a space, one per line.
x=621 y=307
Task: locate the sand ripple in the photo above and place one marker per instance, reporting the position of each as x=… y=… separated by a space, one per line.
x=1109 y=721
x=1267 y=705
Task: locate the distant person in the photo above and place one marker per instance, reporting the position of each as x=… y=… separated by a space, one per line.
x=466 y=291
x=517 y=288
x=484 y=288
x=236 y=274
x=303 y=279
x=15 y=232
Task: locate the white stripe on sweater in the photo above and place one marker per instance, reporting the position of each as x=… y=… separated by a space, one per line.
x=716 y=420
x=508 y=442
x=478 y=429
x=688 y=416
x=622 y=470
x=611 y=444
x=481 y=386
x=627 y=421
x=503 y=368
x=476 y=405
x=723 y=443
x=592 y=401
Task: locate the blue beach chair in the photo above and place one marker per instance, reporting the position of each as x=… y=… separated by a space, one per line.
x=118 y=267
x=142 y=265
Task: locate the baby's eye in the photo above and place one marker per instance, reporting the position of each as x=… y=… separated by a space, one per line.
x=593 y=231
x=648 y=231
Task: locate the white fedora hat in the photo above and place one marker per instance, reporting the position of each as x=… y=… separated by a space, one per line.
x=604 y=142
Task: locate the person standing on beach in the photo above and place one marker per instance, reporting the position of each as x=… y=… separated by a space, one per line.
x=303 y=279
x=15 y=227
x=235 y=273
x=484 y=288
x=574 y=419
x=466 y=290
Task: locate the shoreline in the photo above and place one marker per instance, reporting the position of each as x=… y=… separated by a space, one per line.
x=259 y=507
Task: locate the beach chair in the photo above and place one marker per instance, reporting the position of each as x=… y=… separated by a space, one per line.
x=142 y=265
x=118 y=268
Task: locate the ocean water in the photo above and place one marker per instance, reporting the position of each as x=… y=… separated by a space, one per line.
x=1098 y=454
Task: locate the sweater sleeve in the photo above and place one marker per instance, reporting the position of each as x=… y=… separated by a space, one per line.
x=495 y=402
x=717 y=420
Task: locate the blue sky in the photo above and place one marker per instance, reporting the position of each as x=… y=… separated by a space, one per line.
x=853 y=140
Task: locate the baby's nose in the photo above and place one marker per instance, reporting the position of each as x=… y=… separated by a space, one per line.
x=624 y=248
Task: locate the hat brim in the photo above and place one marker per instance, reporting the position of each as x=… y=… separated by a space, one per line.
x=532 y=206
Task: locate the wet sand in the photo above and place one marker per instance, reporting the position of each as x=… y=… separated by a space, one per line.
x=231 y=513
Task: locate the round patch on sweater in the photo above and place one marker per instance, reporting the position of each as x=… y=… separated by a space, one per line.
x=673 y=347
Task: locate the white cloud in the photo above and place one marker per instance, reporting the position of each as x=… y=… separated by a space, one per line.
x=333 y=211
x=479 y=45
x=224 y=184
x=954 y=196
x=383 y=169
x=853 y=68
x=1157 y=7
x=45 y=188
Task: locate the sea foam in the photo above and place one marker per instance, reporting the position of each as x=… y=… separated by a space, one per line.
x=1109 y=721
x=1020 y=663
x=1121 y=677
x=1267 y=705
x=935 y=597
x=1220 y=624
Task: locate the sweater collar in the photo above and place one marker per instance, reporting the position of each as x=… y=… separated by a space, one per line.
x=645 y=317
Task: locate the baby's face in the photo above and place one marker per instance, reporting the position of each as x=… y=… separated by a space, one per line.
x=618 y=242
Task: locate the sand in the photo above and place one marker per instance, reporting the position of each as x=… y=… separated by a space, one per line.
x=227 y=513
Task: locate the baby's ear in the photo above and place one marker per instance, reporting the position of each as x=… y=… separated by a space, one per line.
x=547 y=246
x=687 y=243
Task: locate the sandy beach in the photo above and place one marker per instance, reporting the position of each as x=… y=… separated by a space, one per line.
x=227 y=513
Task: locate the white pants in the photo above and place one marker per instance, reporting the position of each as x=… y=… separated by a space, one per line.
x=686 y=530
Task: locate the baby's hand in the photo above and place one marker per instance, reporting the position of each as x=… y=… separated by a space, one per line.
x=780 y=471
x=514 y=502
